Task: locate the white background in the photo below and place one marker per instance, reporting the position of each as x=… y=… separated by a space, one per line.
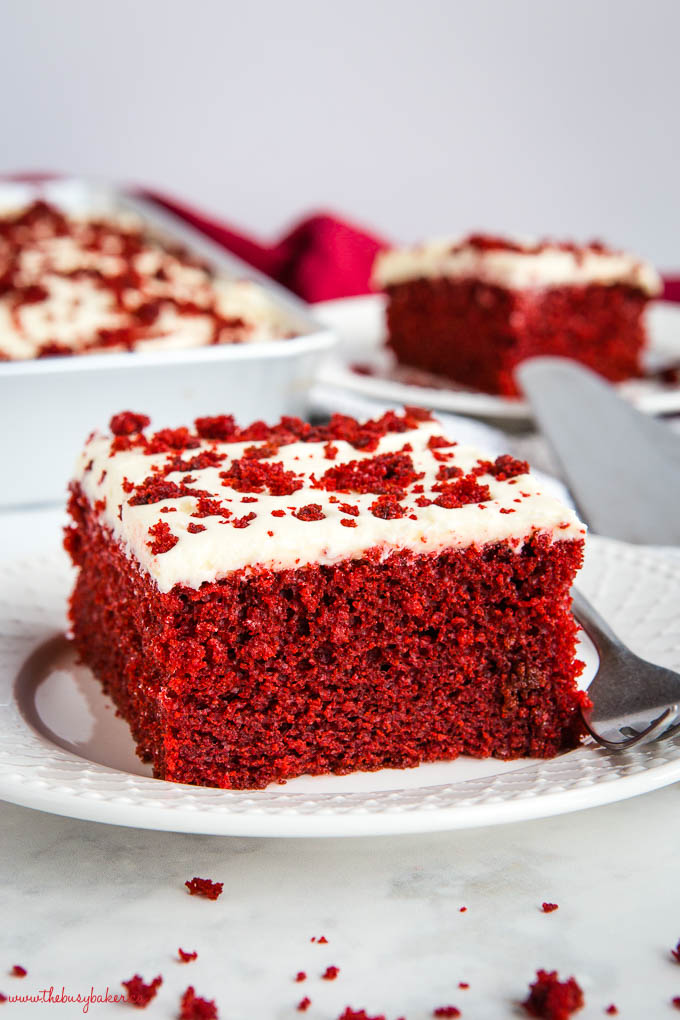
x=414 y=117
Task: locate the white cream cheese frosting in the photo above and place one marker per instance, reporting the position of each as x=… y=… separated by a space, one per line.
x=261 y=530
x=517 y=267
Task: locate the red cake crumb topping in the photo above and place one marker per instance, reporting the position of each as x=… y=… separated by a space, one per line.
x=163 y=538
x=195 y=528
x=18 y=971
x=446 y=1011
x=387 y=508
x=552 y=999
x=462 y=910
x=3 y=998
x=330 y=973
x=361 y=1014
x=140 y=994
x=243 y=522
x=463 y=984
x=386 y=473
x=461 y=492
x=438 y=442
x=304 y=1004
x=347 y=522
x=127 y=422
x=205 y=887
x=675 y=1001
x=311 y=512
x=612 y=1010
x=548 y=908
x=221 y=428
x=253 y=476
x=675 y=953
x=320 y=941
x=185 y=957
x=193 y=1007
x=301 y=976
x=348 y=508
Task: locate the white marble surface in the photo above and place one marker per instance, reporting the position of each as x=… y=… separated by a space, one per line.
x=88 y=905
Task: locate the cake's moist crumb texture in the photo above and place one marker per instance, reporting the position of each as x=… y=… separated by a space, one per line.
x=384 y=659
x=473 y=310
x=140 y=994
x=193 y=1007
x=205 y=887
x=552 y=999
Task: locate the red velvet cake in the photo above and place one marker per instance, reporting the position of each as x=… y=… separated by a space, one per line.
x=84 y=284
x=270 y=601
x=472 y=310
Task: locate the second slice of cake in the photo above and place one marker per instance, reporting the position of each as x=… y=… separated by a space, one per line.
x=264 y=602
x=471 y=310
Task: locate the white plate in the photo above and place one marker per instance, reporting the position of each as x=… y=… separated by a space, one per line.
x=63 y=750
x=360 y=322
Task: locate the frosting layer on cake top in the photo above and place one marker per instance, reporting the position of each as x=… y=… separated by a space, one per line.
x=190 y=506
x=515 y=266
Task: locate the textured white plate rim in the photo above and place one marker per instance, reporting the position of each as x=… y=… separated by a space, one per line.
x=359 y=321
x=36 y=773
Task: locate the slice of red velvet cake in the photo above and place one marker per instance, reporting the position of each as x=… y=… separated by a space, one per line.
x=471 y=310
x=264 y=602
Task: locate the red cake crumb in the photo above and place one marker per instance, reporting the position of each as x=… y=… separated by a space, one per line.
x=548 y=908
x=462 y=910
x=612 y=1010
x=301 y=976
x=195 y=528
x=193 y=1007
x=304 y=1004
x=675 y=1001
x=388 y=473
x=243 y=522
x=463 y=984
x=140 y=994
x=18 y=971
x=446 y=1011
x=320 y=941
x=3 y=998
x=127 y=422
x=675 y=953
x=185 y=957
x=205 y=887
x=552 y=999
x=361 y=1014
x=163 y=538
x=330 y=973
x=311 y=512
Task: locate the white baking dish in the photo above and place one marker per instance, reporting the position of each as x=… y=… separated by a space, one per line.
x=48 y=406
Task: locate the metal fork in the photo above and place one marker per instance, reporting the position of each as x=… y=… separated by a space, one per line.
x=633 y=700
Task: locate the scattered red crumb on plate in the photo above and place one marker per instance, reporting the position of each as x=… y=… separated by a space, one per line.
x=18 y=971
x=612 y=1010
x=463 y=984
x=140 y=994
x=462 y=910
x=323 y=941
x=446 y=1011
x=301 y=976
x=185 y=957
x=304 y=1004
x=548 y=908
x=193 y=1007
x=204 y=887
x=552 y=999
x=3 y=998
x=330 y=973
x=676 y=1001
x=675 y=953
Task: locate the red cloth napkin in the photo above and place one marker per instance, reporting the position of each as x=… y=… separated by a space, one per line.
x=322 y=258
